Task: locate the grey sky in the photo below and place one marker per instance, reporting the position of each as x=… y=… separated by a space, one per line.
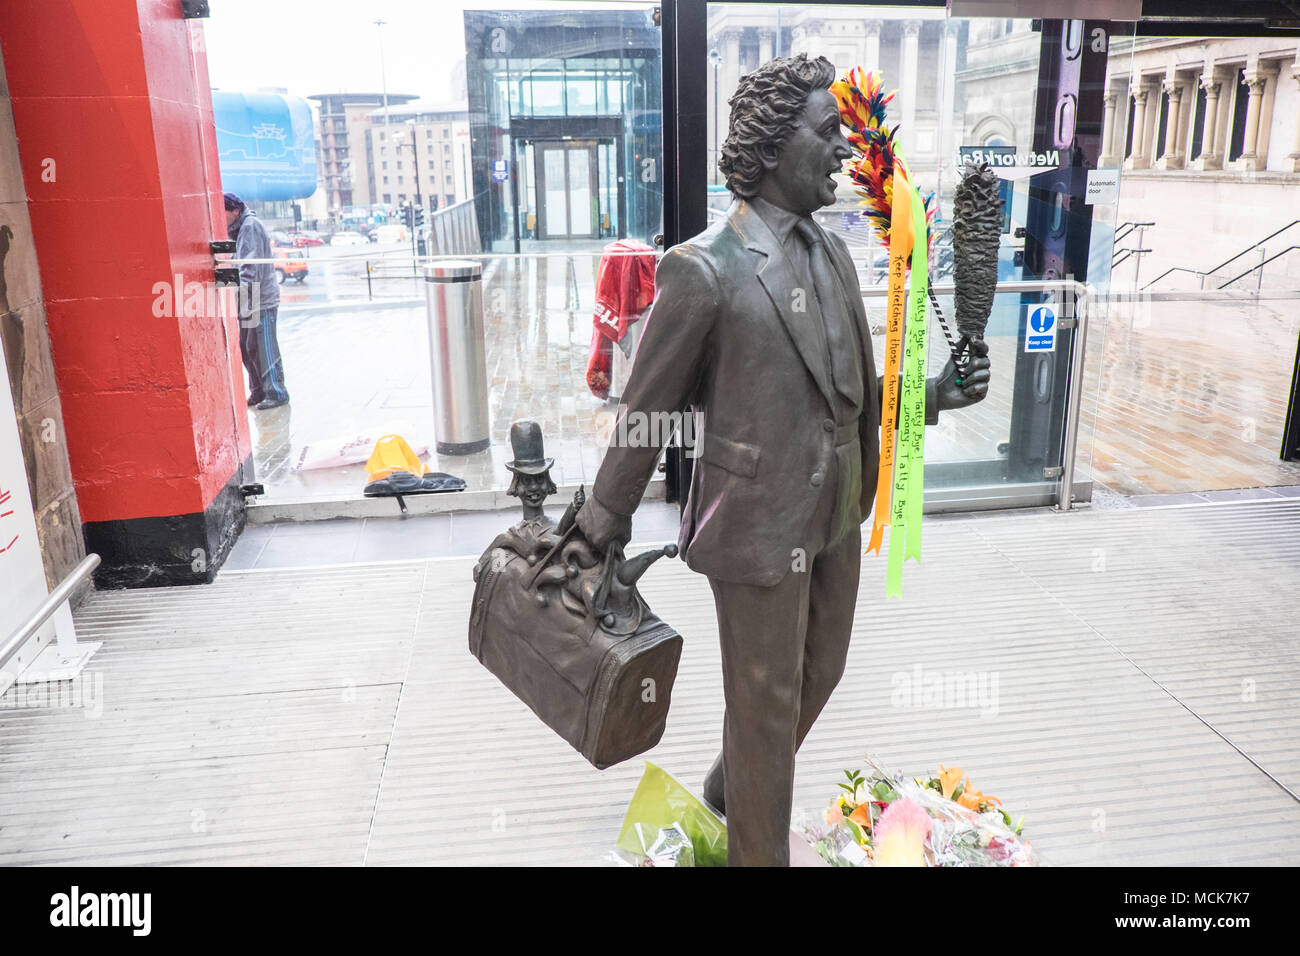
x=331 y=46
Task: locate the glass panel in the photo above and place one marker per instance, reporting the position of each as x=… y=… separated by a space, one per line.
x=548 y=96
x=581 y=92
x=580 y=197
x=966 y=89
x=497 y=87
x=557 y=197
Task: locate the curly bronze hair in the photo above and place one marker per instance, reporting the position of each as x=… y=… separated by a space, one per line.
x=764 y=109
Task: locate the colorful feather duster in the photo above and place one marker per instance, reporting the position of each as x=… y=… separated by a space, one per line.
x=861 y=99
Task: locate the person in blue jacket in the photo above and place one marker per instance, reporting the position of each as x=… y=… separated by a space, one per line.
x=259 y=301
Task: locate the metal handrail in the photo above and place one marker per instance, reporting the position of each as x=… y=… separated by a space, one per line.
x=51 y=604
x=1259 y=265
x=1125 y=228
x=1125 y=253
x=1082 y=295
x=1210 y=272
x=1278 y=232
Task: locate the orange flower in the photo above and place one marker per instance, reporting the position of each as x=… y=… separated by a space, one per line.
x=949 y=779
x=971 y=798
x=862 y=816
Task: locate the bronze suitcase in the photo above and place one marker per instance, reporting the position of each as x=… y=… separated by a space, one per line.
x=569 y=635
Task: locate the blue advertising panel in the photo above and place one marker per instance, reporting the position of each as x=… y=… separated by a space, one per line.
x=266 y=145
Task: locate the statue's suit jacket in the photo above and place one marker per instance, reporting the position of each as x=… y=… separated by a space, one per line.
x=726 y=334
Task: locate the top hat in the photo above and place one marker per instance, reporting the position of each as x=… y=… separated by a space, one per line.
x=526 y=442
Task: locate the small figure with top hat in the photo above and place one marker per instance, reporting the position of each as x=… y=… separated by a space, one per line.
x=532 y=482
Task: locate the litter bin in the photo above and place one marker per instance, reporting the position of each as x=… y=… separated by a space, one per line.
x=454 y=296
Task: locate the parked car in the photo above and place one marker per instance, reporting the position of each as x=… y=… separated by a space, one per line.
x=290 y=264
x=281 y=239
x=303 y=239
x=391 y=233
x=347 y=239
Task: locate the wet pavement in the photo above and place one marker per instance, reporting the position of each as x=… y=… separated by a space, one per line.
x=1191 y=396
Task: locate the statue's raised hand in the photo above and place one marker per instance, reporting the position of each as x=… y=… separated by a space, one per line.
x=974 y=384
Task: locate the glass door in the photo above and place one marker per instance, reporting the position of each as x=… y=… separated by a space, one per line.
x=567 y=189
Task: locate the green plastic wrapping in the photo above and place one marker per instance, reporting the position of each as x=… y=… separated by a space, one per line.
x=660 y=801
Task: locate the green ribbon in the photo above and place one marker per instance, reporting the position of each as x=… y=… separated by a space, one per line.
x=909 y=471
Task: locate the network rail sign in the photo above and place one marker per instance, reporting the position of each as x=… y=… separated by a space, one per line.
x=1002 y=156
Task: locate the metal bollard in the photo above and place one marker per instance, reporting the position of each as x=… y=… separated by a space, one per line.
x=454 y=297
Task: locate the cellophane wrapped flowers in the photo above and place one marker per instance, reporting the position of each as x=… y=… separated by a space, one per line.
x=938 y=819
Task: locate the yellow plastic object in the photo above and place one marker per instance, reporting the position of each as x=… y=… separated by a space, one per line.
x=660 y=801
x=391 y=454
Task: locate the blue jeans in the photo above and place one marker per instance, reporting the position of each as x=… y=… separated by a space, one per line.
x=261 y=353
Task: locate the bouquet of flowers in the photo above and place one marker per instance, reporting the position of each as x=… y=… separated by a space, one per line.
x=940 y=819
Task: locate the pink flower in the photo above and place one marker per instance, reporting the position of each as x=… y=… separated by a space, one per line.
x=834 y=814
x=900 y=835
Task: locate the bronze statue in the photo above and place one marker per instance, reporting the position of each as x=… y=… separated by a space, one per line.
x=758 y=322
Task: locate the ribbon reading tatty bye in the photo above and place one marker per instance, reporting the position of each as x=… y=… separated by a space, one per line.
x=909 y=476
x=900 y=247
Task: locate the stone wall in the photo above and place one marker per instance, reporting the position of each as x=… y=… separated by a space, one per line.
x=1203 y=218
x=30 y=365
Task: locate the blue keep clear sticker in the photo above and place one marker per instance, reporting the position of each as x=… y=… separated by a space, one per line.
x=1040 y=328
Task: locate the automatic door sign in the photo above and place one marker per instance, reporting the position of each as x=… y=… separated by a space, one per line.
x=500 y=171
x=1040 y=329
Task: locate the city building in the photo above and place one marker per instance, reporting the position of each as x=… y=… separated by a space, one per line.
x=1207 y=132
x=565 y=124
x=437 y=135
x=344 y=121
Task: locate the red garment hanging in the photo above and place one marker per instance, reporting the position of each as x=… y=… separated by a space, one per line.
x=625 y=287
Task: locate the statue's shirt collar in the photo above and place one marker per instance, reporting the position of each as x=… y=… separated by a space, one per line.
x=780 y=221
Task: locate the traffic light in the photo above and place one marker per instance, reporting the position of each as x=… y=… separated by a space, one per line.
x=419 y=216
x=408 y=216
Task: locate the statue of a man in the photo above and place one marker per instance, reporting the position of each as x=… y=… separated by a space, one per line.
x=759 y=323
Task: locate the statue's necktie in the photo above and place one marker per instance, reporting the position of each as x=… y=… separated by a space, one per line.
x=845 y=369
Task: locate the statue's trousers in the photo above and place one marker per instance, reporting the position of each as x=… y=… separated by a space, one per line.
x=783 y=652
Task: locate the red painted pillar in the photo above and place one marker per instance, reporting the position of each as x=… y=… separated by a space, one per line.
x=118 y=149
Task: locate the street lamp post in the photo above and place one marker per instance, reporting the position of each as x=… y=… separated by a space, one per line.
x=415 y=157
x=383 y=81
x=716 y=59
